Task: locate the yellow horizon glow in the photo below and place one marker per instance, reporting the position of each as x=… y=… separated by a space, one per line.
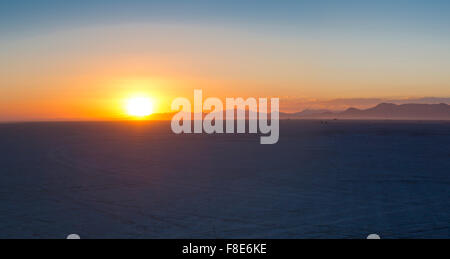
x=139 y=107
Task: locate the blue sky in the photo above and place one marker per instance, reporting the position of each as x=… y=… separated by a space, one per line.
x=96 y=50
x=38 y=14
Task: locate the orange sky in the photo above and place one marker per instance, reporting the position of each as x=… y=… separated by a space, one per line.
x=86 y=72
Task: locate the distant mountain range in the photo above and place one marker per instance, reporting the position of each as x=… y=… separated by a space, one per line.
x=381 y=111
x=411 y=111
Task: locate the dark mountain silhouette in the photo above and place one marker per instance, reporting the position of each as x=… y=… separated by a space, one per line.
x=411 y=111
x=404 y=111
x=387 y=111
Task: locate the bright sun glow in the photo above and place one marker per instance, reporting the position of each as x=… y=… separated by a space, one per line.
x=139 y=106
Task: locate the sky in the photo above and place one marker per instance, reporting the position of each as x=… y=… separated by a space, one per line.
x=79 y=60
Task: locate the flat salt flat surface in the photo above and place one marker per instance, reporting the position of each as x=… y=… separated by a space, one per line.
x=342 y=179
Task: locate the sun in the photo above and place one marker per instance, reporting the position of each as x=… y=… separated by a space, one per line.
x=139 y=106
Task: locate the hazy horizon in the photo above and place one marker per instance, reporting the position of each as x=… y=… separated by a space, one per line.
x=311 y=108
